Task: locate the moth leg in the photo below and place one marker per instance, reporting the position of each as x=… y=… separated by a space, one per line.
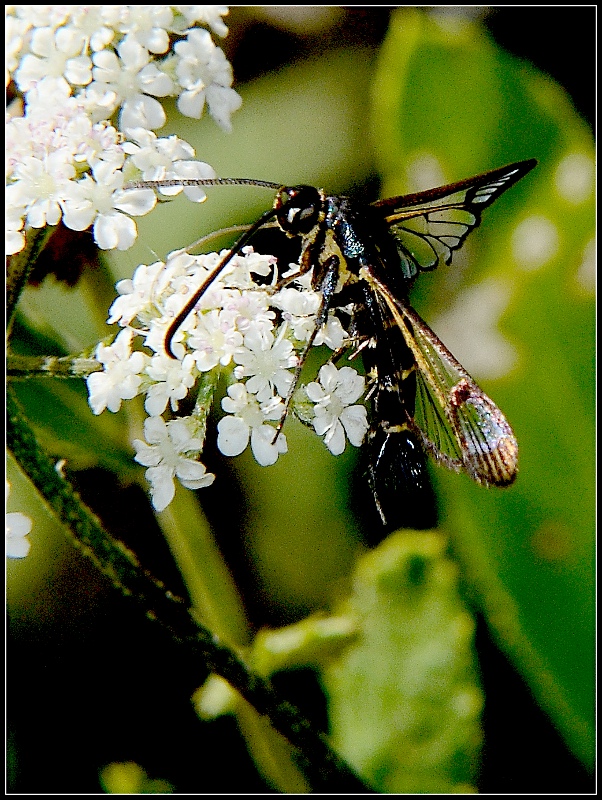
x=326 y=288
x=307 y=259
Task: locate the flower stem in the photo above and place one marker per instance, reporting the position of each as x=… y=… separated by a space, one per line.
x=20 y=265
x=23 y=367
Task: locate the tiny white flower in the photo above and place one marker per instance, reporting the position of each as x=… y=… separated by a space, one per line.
x=98 y=142
x=155 y=338
x=15 y=237
x=259 y=263
x=332 y=334
x=223 y=101
x=167 y=158
x=54 y=54
x=263 y=446
x=93 y=22
x=184 y=275
x=335 y=414
x=16 y=30
x=238 y=273
x=135 y=294
x=17 y=526
x=120 y=379
x=214 y=340
x=41 y=185
x=210 y=15
x=190 y=171
x=99 y=101
x=250 y=309
x=299 y=310
x=265 y=362
x=171 y=453
x=249 y=421
x=122 y=73
x=148 y=25
x=114 y=231
x=173 y=380
x=100 y=201
x=205 y=75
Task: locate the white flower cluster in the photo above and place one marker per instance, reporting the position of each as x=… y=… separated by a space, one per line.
x=76 y=67
x=253 y=333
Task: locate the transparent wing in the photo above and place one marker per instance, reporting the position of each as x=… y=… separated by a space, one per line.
x=429 y=226
x=455 y=420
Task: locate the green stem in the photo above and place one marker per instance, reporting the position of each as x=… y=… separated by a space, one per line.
x=323 y=768
x=213 y=593
x=206 y=386
x=25 y=367
x=20 y=265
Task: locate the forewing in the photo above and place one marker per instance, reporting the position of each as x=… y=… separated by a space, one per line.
x=429 y=226
x=456 y=421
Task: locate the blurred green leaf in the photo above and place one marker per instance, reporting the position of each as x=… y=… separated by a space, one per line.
x=310 y=642
x=398 y=667
x=404 y=700
x=56 y=320
x=299 y=526
x=517 y=309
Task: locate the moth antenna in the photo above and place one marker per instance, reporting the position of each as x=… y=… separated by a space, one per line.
x=184 y=182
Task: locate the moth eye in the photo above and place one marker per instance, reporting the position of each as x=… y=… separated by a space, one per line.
x=298 y=209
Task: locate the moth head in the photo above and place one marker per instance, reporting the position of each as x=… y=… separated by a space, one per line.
x=299 y=209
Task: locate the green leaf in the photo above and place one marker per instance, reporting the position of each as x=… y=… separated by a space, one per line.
x=517 y=309
x=398 y=667
x=404 y=700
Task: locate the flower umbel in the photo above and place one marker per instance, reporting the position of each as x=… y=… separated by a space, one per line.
x=93 y=81
x=239 y=328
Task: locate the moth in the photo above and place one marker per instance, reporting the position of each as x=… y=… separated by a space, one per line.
x=365 y=258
